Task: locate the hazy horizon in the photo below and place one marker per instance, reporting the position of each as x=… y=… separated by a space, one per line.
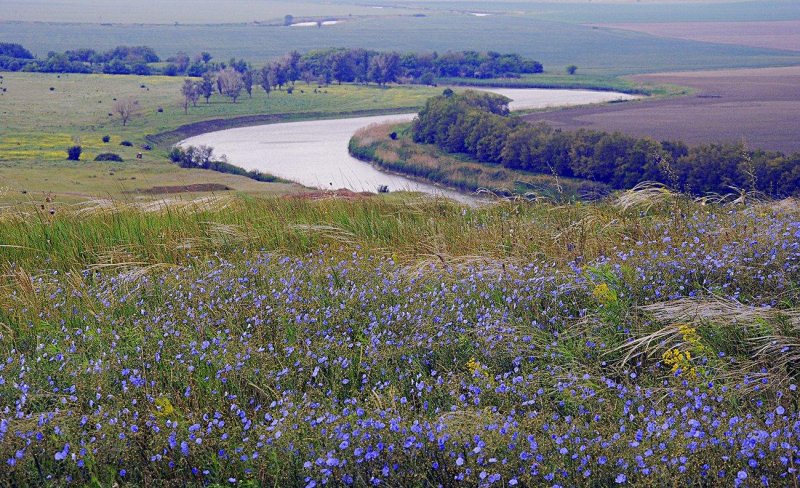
x=241 y=11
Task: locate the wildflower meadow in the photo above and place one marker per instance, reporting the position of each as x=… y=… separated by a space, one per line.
x=643 y=343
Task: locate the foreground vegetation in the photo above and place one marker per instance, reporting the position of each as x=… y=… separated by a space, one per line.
x=646 y=340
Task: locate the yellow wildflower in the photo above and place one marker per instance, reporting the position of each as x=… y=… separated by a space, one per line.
x=474 y=366
x=164 y=407
x=604 y=294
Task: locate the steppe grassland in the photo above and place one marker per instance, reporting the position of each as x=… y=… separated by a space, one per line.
x=260 y=341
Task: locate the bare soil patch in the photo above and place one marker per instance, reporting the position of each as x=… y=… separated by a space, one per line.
x=199 y=187
x=758 y=106
x=783 y=34
x=341 y=193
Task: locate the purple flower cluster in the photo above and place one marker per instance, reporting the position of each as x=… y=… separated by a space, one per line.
x=361 y=371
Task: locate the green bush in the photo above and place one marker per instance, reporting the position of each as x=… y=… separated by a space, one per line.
x=74 y=153
x=106 y=139
x=109 y=157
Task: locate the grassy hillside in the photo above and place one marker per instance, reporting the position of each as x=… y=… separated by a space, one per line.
x=648 y=340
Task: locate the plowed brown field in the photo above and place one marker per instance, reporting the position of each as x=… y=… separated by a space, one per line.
x=759 y=106
x=784 y=34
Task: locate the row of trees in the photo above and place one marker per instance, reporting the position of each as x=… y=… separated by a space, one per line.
x=479 y=124
x=120 y=60
x=326 y=66
x=361 y=65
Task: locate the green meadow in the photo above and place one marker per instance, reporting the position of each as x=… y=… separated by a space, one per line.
x=40 y=123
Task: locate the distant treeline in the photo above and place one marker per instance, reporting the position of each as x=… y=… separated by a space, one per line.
x=339 y=65
x=120 y=60
x=479 y=124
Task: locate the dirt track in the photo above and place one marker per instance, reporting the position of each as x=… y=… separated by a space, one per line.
x=759 y=106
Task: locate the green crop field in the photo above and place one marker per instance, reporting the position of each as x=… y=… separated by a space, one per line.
x=39 y=124
x=196 y=12
x=244 y=11
x=555 y=44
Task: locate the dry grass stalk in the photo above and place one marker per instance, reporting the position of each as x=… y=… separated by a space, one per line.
x=705 y=310
x=644 y=195
x=327 y=231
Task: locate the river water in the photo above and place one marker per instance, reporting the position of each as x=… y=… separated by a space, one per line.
x=314 y=153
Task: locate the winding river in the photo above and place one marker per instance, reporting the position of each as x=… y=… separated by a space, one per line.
x=314 y=153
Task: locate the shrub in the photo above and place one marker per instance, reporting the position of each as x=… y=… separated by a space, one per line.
x=202 y=157
x=109 y=157
x=126 y=143
x=106 y=139
x=427 y=78
x=176 y=155
x=147 y=147
x=74 y=153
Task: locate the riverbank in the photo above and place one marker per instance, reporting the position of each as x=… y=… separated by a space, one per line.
x=315 y=153
x=52 y=112
x=400 y=154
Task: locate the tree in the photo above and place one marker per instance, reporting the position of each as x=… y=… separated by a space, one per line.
x=115 y=67
x=266 y=79
x=571 y=69
x=191 y=93
x=427 y=78
x=293 y=66
x=206 y=57
x=248 y=77
x=288 y=20
x=239 y=65
x=207 y=86
x=231 y=83
x=384 y=68
x=196 y=69
x=126 y=108
x=14 y=51
x=278 y=73
x=181 y=61
x=343 y=67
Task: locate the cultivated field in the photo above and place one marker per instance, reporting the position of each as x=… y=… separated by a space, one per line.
x=194 y=12
x=555 y=44
x=772 y=35
x=761 y=107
